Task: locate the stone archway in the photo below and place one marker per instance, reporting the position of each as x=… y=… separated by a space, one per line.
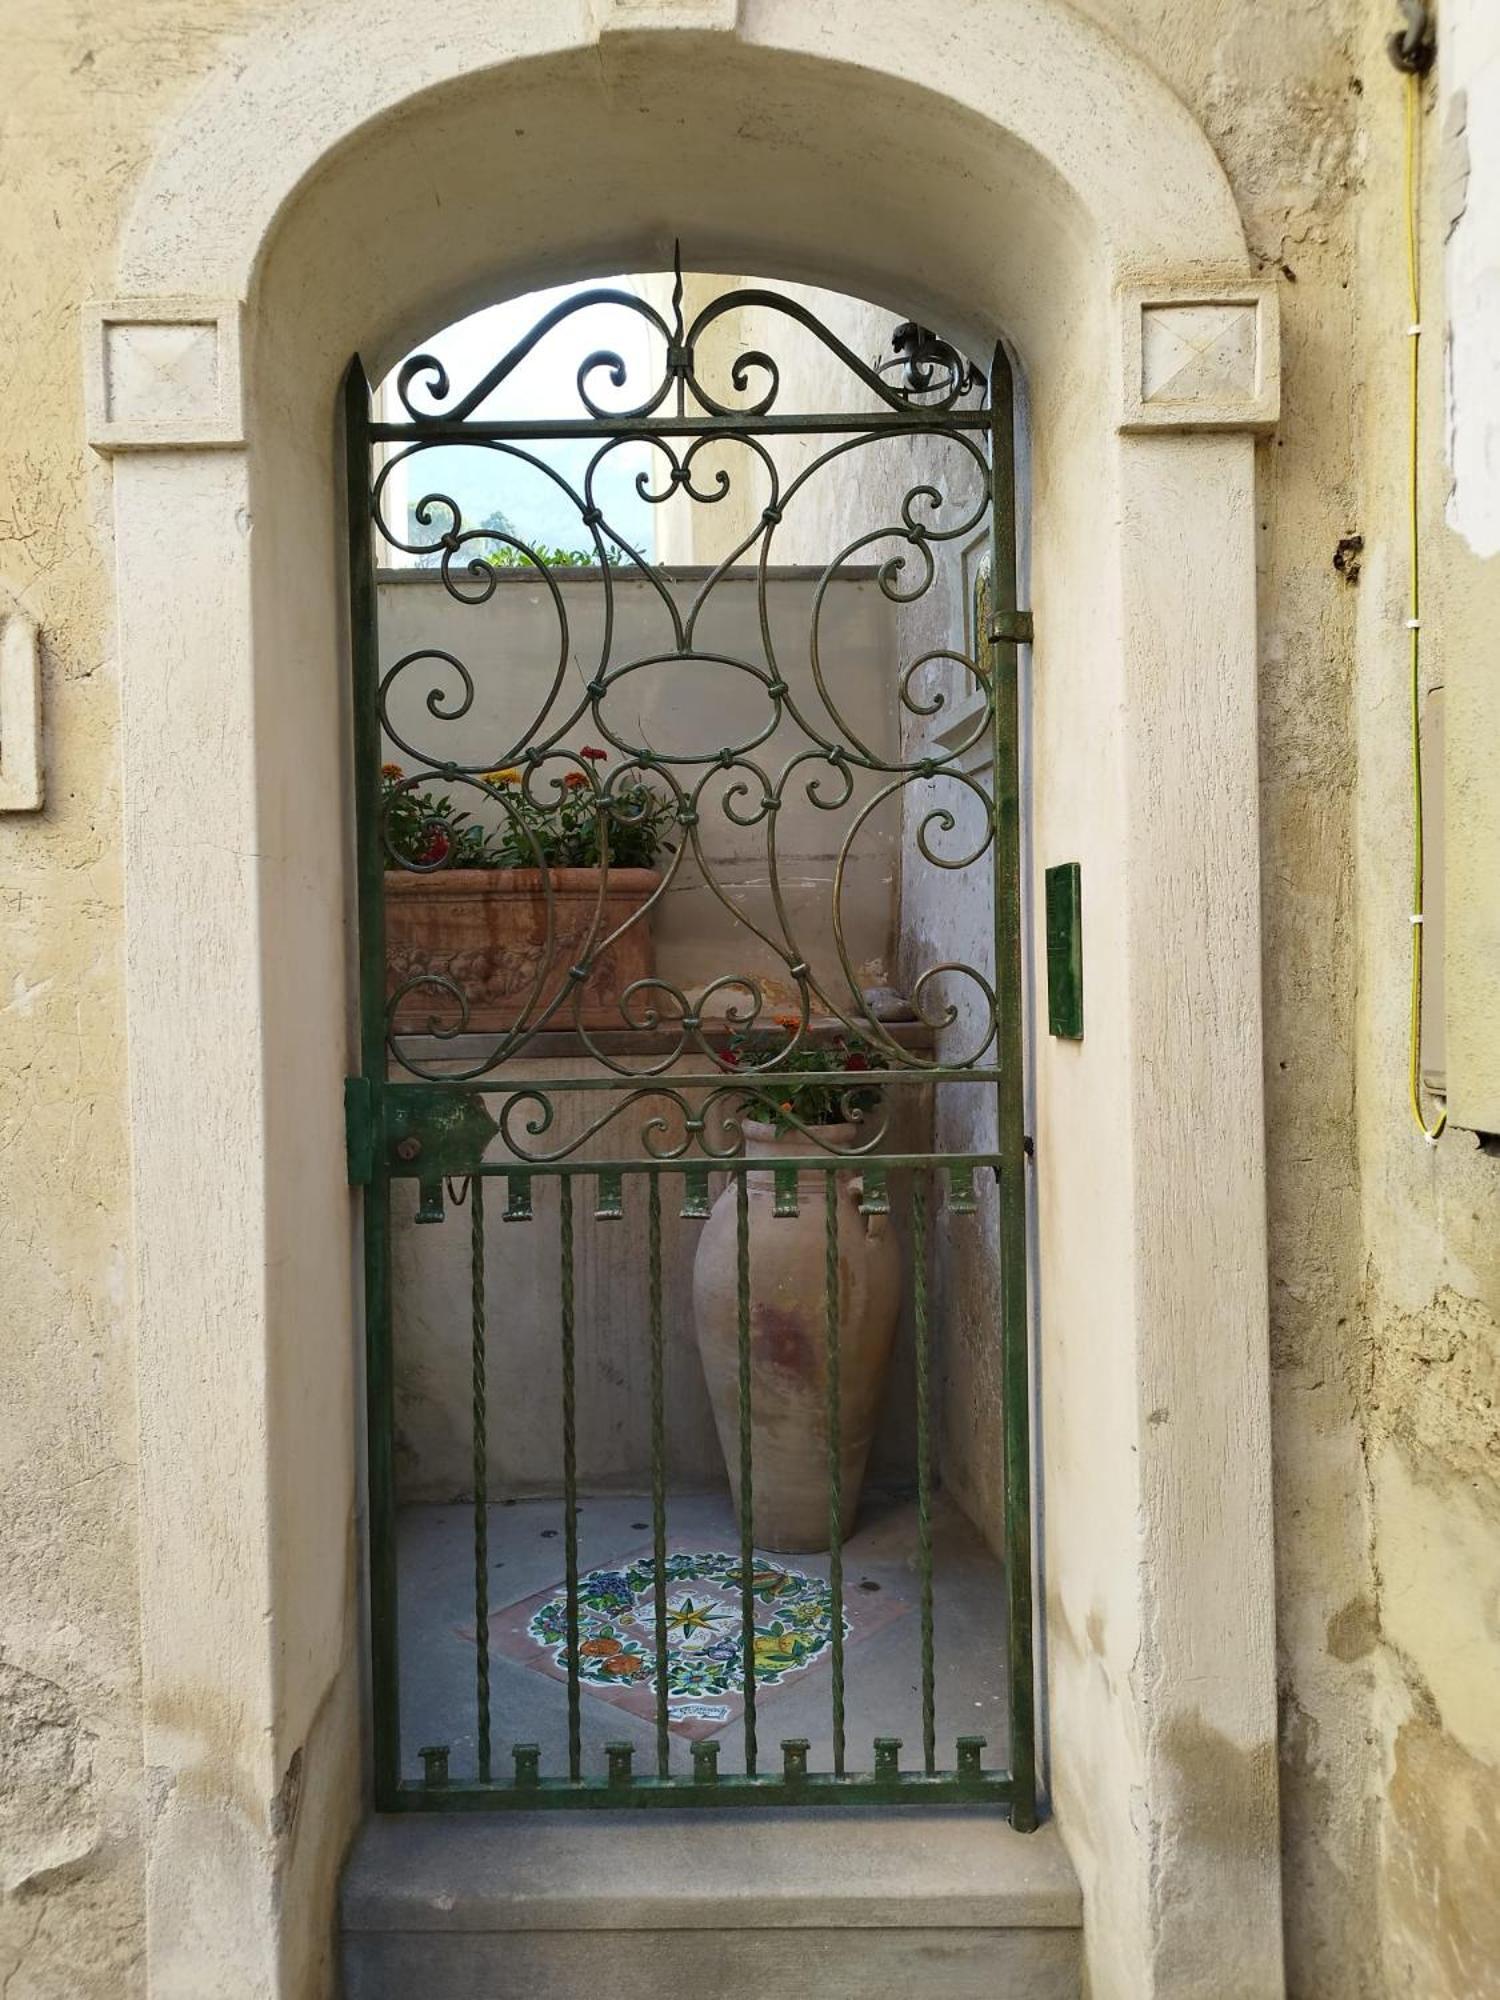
x=1012 y=169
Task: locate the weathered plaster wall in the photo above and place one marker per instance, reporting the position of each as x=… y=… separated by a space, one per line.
x=1385 y=1282
x=1383 y=1253
x=1429 y=1635
x=86 y=92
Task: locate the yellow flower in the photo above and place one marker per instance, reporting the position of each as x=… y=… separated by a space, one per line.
x=511 y=775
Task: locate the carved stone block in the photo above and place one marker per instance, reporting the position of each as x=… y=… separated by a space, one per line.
x=637 y=16
x=162 y=375
x=20 y=711
x=1200 y=358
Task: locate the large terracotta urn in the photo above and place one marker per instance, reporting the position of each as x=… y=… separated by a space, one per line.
x=788 y=1336
x=486 y=930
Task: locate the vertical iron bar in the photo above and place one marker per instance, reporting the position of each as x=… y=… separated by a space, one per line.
x=380 y=1412
x=481 y=1479
x=747 y=1495
x=835 y=1453
x=570 y=1473
x=658 y=1473
x=923 y=1333
x=1009 y=1094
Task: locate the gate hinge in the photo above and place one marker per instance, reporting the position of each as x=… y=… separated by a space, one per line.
x=1014 y=627
x=359 y=1129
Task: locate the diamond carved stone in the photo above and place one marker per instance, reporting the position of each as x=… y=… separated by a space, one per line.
x=1200 y=358
x=1197 y=354
x=154 y=374
x=162 y=374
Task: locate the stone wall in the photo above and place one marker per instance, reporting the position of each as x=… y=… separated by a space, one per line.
x=1384 y=1265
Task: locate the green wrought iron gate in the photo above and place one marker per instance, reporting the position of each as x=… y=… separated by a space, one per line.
x=444 y=1121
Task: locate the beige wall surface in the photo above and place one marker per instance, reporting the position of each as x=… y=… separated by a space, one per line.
x=85 y=92
x=1385 y=1256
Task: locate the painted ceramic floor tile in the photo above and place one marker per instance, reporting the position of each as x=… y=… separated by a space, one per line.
x=793 y=1620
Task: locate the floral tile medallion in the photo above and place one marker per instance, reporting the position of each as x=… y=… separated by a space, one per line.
x=617 y=1650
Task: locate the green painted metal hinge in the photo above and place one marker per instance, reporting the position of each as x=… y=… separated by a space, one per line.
x=1012 y=626
x=359 y=1129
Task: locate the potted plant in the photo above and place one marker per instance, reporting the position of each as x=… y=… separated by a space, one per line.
x=788 y=1296
x=502 y=914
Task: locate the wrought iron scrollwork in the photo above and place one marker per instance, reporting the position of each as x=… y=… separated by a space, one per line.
x=475 y=778
x=932 y=374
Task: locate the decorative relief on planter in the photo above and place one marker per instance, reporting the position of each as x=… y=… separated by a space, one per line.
x=484 y=933
x=162 y=375
x=1200 y=358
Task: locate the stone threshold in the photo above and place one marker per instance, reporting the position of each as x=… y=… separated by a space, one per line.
x=833 y=1869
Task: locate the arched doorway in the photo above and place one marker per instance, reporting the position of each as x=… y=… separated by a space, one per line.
x=1042 y=182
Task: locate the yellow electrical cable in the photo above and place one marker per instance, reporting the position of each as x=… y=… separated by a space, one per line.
x=1414 y=621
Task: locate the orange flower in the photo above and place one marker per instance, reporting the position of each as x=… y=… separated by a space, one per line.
x=392 y=771
x=625 y=1665
x=574 y=779
x=599 y=1648
x=791 y=1022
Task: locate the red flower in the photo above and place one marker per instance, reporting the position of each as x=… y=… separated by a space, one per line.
x=434 y=848
x=856 y=1061
x=594 y=754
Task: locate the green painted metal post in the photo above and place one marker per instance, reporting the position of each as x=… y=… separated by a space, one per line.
x=1010 y=1101
x=380 y=1412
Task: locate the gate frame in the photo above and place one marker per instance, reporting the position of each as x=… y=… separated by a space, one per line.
x=375 y=1102
x=1102 y=211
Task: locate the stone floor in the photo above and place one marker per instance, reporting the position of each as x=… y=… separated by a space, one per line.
x=882 y=1650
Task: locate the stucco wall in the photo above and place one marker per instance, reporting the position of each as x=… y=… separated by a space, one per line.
x=85 y=92
x=1384 y=1261
x=1429 y=1328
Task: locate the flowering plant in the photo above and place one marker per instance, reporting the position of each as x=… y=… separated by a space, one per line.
x=572 y=831
x=423 y=829
x=786 y=1105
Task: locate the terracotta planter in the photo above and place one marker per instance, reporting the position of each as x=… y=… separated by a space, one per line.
x=486 y=929
x=788 y=1340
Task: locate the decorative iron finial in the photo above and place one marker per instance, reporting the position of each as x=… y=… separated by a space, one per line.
x=925 y=359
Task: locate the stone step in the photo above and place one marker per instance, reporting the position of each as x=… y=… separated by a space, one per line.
x=927 y=1905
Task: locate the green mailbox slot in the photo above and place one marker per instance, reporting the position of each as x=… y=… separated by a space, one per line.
x=1065 y=952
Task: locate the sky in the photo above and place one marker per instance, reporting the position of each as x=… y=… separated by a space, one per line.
x=544 y=384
